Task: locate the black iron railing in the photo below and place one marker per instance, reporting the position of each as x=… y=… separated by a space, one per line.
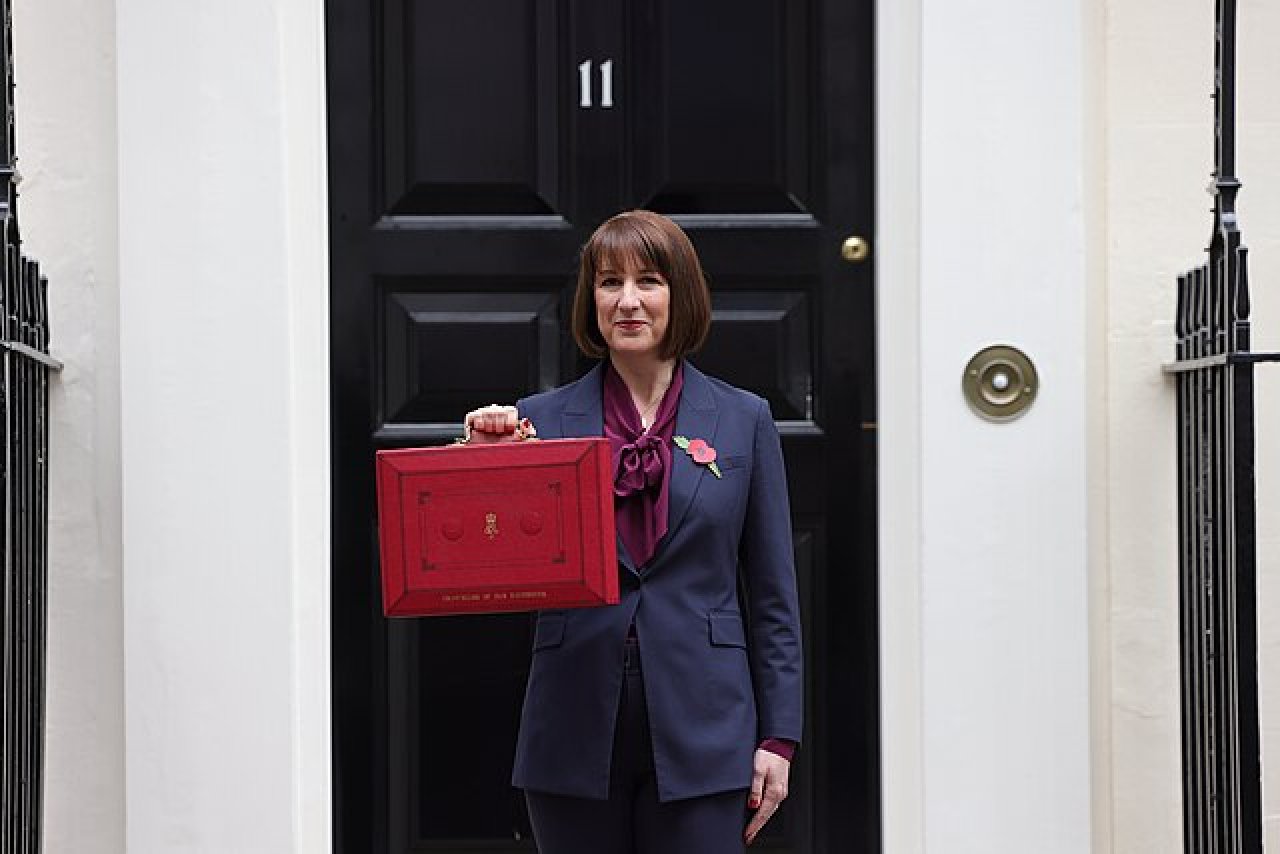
x=24 y=478
x=1222 y=803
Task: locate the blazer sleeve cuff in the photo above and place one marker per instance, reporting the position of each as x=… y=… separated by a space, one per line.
x=784 y=747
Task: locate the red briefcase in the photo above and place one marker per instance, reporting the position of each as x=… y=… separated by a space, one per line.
x=507 y=527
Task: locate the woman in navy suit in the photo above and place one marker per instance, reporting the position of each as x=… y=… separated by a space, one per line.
x=665 y=724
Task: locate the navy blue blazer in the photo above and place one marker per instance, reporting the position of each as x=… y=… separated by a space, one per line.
x=716 y=683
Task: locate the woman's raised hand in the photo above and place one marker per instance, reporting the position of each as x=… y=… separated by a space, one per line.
x=490 y=424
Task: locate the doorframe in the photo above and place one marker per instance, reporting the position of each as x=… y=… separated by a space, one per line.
x=898 y=364
x=222 y=211
x=898 y=126
x=927 y=785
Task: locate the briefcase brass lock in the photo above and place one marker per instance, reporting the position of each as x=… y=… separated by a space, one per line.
x=1000 y=383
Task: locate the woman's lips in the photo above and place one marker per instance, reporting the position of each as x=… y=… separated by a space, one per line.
x=630 y=324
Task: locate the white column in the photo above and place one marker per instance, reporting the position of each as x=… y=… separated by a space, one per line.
x=224 y=378
x=985 y=577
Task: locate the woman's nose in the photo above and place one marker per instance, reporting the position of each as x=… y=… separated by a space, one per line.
x=630 y=296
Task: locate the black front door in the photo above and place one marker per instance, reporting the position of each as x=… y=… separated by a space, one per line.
x=473 y=147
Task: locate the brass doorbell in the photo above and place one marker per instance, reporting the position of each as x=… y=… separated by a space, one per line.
x=1000 y=383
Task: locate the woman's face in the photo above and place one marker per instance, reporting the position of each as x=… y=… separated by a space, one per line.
x=632 y=307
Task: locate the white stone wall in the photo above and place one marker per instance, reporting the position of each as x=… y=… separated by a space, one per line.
x=183 y=155
x=1259 y=168
x=66 y=122
x=1159 y=153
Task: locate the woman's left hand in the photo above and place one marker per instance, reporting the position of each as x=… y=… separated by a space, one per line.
x=768 y=790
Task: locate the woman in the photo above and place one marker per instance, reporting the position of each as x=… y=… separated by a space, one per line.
x=650 y=725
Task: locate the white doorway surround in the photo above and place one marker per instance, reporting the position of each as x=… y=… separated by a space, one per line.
x=985 y=529
x=224 y=399
x=985 y=621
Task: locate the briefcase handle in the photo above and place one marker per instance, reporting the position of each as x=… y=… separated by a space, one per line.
x=524 y=432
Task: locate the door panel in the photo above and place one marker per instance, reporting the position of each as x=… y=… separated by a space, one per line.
x=776 y=329
x=721 y=121
x=426 y=368
x=471 y=108
x=467 y=677
x=474 y=146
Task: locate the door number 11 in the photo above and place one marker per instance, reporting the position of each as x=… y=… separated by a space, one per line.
x=606 y=84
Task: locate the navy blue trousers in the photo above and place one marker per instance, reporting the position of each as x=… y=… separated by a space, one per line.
x=632 y=820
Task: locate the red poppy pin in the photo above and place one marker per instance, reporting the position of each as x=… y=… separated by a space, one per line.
x=702 y=453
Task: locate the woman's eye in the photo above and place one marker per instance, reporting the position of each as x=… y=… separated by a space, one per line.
x=609 y=283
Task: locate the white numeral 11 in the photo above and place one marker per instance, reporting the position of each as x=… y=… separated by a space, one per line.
x=606 y=84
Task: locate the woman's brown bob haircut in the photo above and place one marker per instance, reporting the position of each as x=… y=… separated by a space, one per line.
x=651 y=242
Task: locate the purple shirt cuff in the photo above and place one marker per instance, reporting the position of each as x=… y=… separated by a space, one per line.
x=784 y=747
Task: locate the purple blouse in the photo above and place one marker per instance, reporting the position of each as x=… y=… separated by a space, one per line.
x=641 y=461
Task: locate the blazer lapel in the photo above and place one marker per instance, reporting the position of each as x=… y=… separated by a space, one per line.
x=583 y=415
x=696 y=418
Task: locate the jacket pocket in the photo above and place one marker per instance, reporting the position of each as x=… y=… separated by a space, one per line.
x=726 y=629
x=549 y=632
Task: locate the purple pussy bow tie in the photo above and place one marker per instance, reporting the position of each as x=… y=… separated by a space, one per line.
x=640 y=465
